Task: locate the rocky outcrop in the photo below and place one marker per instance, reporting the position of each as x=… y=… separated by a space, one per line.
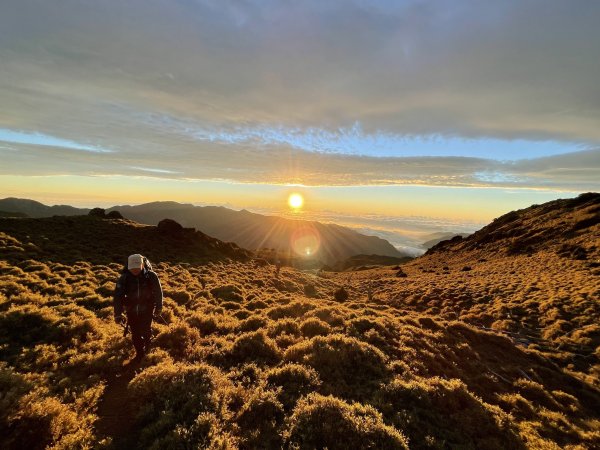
x=170 y=227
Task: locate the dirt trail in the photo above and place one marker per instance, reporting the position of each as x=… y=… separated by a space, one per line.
x=115 y=412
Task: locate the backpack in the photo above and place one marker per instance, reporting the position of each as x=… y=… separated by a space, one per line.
x=147 y=264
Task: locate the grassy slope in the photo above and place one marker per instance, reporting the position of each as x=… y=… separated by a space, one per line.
x=248 y=360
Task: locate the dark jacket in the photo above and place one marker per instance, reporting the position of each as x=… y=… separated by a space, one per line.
x=138 y=294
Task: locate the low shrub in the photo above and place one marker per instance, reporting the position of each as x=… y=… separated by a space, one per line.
x=10 y=288
x=310 y=290
x=347 y=366
x=255 y=347
x=231 y=306
x=313 y=326
x=256 y=304
x=206 y=324
x=172 y=396
x=293 y=310
x=247 y=374
x=213 y=323
x=260 y=420
x=180 y=296
x=329 y=315
x=362 y=325
x=441 y=413
x=177 y=339
x=13 y=386
x=328 y=422
x=43 y=421
x=284 y=326
x=517 y=405
x=228 y=293
x=429 y=323
x=340 y=295
x=252 y=324
x=536 y=393
x=27 y=324
x=295 y=380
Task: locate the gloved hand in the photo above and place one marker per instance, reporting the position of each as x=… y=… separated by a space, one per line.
x=119 y=319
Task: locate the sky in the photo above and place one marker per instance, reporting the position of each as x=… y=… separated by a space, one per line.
x=458 y=111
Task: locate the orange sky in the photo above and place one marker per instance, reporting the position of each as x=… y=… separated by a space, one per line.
x=458 y=203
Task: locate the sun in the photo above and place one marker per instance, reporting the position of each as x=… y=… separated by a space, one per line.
x=295 y=201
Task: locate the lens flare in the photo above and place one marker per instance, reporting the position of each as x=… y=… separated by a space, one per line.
x=305 y=241
x=295 y=201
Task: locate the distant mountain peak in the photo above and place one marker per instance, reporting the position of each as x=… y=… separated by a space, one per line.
x=249 y=230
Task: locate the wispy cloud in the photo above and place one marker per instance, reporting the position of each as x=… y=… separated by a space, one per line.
x=19 y=137
x=286 y=165
x=337 y=92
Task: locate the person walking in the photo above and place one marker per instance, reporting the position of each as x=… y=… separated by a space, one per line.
x=139 y=294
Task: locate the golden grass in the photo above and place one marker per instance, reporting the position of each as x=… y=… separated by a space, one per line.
x=505 y=355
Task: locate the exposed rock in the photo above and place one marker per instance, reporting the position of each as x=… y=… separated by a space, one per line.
x=170 y=227
x=114 y=215
x=97 y=212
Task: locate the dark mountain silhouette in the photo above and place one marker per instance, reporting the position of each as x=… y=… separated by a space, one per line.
x=36 y=209
x=254 y=231
x=68 y=239
x=328 y=243
x=12 y=214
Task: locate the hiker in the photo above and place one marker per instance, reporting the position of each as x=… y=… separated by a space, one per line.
x=277 y=267
x=138 y=291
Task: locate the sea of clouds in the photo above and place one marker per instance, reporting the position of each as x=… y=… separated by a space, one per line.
x=406 y=233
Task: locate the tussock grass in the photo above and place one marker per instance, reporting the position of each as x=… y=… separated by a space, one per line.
x=505 y=355
x=319 y=421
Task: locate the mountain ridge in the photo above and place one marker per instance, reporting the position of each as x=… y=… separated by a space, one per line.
x=327 y=242
x=68 y=239
x=530 y=229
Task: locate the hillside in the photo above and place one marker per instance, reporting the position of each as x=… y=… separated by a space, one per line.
x=543 y=227
x=436 y=238
x=534 y=273
x=12 y=214
x=67 y=239
x=328 y=243
x=476 y=347
x=36 y=209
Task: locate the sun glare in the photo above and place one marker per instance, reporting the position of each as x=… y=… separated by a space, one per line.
x=295 y=201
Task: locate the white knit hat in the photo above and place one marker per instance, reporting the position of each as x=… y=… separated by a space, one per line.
x=135 y=261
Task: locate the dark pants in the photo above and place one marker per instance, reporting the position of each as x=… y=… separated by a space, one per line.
x=140 y=325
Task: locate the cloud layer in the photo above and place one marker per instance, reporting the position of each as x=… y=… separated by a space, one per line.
x=241 y=163
x=139 y=78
